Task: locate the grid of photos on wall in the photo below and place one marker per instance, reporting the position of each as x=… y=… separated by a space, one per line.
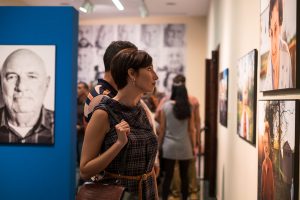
x=27 y=94
x=278 y=149
x=278 y=45
x=164 y=42
x=246 y=96
x=223 y=96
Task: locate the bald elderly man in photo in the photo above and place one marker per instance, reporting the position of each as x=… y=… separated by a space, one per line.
x=24 y=83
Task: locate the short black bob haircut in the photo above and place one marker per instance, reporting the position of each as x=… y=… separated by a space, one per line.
x=113 y=49
x=126 y=59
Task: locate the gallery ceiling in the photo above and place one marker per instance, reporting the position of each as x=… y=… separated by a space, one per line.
x=106 y=8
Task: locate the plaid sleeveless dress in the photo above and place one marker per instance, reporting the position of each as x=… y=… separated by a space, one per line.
x=141 y=147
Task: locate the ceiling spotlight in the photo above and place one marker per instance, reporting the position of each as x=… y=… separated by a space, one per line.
x=118 y=4
x=144 y=12
x=87 y=6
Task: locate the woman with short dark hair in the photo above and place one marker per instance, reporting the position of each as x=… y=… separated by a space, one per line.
x=107 y=141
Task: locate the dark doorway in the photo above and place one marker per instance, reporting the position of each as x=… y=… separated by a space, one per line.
x=211 y=106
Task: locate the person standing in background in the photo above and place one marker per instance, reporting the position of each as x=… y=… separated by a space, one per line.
x=193 y=186
x=82 y=92
x=176 y=138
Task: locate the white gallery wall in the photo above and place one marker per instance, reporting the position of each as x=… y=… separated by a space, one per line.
x=235 y=26
x=195 y=46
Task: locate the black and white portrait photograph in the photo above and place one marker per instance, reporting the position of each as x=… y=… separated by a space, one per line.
x=104 y=35
x=27 y=80
x=85 y=35
x=174 y=35
x=85 y=64
x=150 y=35
x=127 y=32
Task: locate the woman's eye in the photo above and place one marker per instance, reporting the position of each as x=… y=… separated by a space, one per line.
x=150 y=68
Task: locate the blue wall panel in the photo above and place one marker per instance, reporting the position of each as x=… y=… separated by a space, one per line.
x=44 y=172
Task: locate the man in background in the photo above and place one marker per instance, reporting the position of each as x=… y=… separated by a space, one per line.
x=105 y=86
x=82 y=92
x=24 y=84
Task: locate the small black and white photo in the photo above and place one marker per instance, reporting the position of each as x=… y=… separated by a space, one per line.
x=127 y=32
x=85 y=35
x=104 y=36
x=86 y=64
x=27 y=80
x=150 y=35
x=174 y=35
x=173 y=60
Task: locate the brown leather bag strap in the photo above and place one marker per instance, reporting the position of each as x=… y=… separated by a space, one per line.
x=140 y=179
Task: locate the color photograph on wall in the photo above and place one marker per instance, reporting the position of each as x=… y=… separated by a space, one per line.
x=27 y=94
x=278 y=149
x=278 y=45
x=165 y=43
x=223 y=96
x=246 y=96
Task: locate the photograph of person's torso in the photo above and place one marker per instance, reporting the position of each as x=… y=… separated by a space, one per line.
x=278 y=45
x=27 y=79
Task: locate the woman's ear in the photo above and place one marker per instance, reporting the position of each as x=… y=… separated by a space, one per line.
x=131 y=73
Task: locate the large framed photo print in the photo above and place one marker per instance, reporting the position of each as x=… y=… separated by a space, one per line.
x=246 y=96
x=27 y=82
x=223 y=96
x=278 y=149
x=278 y=45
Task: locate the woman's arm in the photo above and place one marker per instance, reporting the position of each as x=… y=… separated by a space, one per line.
x=162 y=127
x=191 y=130
x=91 y=161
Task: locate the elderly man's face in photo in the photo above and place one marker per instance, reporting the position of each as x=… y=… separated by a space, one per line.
x=24 y=82
x=275 y=33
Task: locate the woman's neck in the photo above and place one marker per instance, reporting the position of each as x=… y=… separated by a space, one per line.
x=128 y=97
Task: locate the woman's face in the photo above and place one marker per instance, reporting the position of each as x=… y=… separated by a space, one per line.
x=274 y=34
x=146 y=79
